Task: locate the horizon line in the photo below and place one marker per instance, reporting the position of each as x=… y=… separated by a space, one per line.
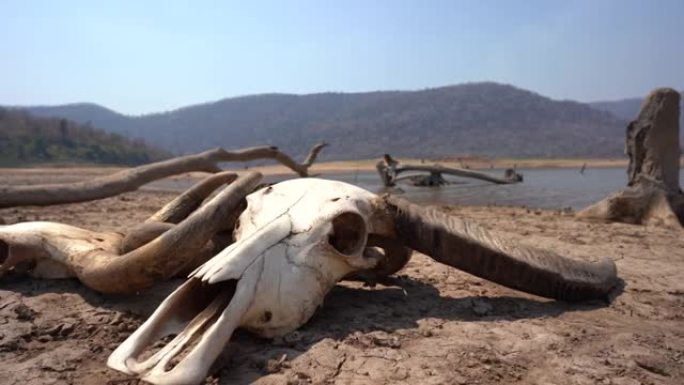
x=208 y=102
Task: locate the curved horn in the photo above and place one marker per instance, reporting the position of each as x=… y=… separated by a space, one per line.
x=167 y=254
x=187 y=202
x=94 y=256
x=142 y=234
x=469 y=247
x=394 y=257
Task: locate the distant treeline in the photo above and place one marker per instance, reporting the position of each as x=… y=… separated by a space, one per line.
x=483 y=119
x=26 y=139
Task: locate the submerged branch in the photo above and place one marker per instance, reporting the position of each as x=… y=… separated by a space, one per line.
x=389 y=170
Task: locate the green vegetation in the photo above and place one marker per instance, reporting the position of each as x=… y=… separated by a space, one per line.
x=25 y=139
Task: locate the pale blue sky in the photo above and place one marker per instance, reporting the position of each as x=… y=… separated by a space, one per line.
x=146 y=56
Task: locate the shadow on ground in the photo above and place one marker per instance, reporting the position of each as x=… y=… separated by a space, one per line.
x=351 y=312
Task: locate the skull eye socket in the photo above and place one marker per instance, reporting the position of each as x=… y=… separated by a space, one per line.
x=349 y=233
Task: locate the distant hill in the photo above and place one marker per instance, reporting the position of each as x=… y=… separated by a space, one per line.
x=25 y=139
x=487 y=119
x=628 y=109
x=625 y=108
x=82 y=113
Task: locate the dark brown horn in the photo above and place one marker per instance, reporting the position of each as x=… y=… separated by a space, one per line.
x=468 y=247
x=394 y=257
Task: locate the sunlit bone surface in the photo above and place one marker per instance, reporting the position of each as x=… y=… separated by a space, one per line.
x=294 y=241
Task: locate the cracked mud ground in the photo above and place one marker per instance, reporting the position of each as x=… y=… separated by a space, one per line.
x=430 y=325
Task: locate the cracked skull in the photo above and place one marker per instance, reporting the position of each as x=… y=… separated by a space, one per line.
x=292 y=244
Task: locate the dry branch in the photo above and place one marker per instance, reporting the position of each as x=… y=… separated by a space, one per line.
x=132 y=179
x=389 y=170
x=108 y=262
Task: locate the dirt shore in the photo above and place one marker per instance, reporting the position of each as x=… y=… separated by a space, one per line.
x=431 y=325
x=364 y=165
x=60 y=172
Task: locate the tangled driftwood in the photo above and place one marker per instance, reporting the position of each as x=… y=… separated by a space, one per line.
x=264 y=260
x=132 y=179
x=390 y=168
x=113 y=262
x=652 y=195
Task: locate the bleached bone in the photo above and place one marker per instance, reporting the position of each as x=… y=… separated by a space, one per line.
x=293 y=242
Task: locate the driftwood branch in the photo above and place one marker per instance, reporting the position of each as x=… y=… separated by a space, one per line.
x=110 y=262
x=652 y=195
x=389 y=170
x=132 y=179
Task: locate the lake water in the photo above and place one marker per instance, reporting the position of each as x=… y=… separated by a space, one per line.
x=542 y=188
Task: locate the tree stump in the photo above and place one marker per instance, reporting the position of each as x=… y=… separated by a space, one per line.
x=387 y=169
x=512 y=175
x=652 y=195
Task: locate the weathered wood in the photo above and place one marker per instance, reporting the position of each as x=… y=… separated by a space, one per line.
x=108 y=262
x=132 y=179
x=652 y=195
x=432 y=179
x=389 y=170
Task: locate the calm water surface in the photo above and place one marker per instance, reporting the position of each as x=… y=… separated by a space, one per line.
x=542 y=188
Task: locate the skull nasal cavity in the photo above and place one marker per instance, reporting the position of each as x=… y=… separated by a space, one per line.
x=349 y=233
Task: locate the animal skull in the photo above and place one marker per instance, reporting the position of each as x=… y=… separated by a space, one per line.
x=293 y=242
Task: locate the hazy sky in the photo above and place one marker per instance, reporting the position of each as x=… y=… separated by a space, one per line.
x=145 y=56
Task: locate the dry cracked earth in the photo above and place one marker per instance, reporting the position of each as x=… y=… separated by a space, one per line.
x=431 y=324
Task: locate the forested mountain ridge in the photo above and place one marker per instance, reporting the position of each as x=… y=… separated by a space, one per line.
x=488 y=119
x=25 y=139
